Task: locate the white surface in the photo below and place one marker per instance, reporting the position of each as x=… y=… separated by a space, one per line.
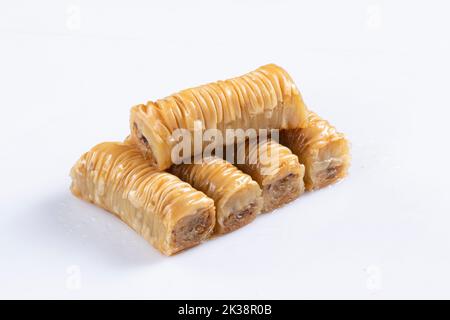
x=378 y=70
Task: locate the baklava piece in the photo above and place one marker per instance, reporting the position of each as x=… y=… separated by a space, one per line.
x=275 y=168
x=237 y=197
x=324 y=151
x=166 y=211
x=266 y=98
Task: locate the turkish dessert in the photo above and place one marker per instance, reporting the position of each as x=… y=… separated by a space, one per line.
x=266 y=98
x=167 y=212
x=323 y=150
x=200 y=193
x=237 y=197
x=275 y=168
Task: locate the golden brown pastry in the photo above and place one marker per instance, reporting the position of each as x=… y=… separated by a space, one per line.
x=237 y=197
x=167 y=212
x=275 y=168
x=324 y=151
x=266 y=98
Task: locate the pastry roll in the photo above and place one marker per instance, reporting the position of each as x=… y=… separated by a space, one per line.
x=167 y=212
x=237 y=197
x=324 y=151
x=275 y=168
x=266 y=98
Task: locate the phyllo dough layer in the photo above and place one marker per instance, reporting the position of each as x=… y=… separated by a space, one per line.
x=237 y=197
x=167 y=212
x=324 y=151
x=262 y=99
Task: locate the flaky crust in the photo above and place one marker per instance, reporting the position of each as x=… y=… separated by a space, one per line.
x=273 y=166
x=232 y=190
x=263 y=99
x=167 y=212
x=323 y=150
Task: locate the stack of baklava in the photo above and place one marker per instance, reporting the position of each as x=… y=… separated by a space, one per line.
x=176 y=202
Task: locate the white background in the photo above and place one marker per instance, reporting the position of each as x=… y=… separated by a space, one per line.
x=378 y=70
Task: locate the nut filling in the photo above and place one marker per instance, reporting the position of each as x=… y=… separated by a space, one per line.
x=192 y=229
x=329 y=175
x=332 y=173
x=240 y=218
x=282 y=191
x=140 y=136
x=143 y=144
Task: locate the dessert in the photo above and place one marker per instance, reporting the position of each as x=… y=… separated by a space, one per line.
x=237 y=197
x=167 y=212
x=275 y=168
x=266 y=98
x=324 y=151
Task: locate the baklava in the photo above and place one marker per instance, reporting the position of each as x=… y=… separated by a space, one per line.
x=266 y=98
x=324 y=151
x=237 y=197
x=167 y=212
x=274 y=167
